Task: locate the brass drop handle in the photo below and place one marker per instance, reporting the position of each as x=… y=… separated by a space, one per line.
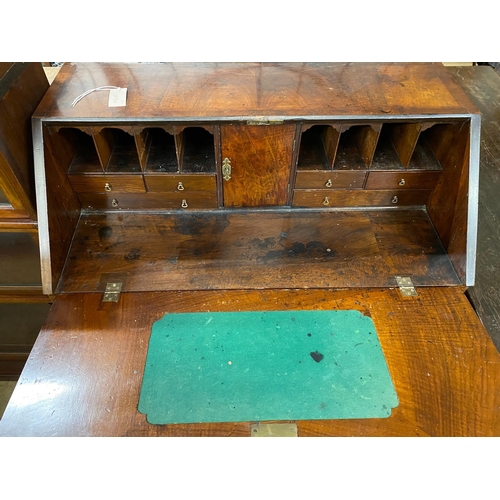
x=226 y=169
x=394 y=199
x=107 y=187
x=402 y=182
x=114 y=202
x=326 y=201
x=329 y=183
x=184 y=204
x=180 y=186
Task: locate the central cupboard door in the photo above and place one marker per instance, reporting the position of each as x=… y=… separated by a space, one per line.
x=260 y=158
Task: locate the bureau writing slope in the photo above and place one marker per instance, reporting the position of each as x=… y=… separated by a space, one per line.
x=226 y=187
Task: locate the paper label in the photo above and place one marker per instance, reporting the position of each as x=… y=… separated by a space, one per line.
x=117 y=97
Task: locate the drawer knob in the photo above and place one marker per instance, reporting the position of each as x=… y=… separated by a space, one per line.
x=114 y=202
x=402 y=182
x=329 y=183
x=184 y=204
x=394 y=199
x=326 y=201
x=180 y=186
x=107 y=187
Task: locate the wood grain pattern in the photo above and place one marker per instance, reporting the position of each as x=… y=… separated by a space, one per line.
x=103 y=141
x=261 y=160
x=404 y=136
x=367 y=139
x=148 y=201
x=22 y=86
x=122 y=183
x=216 y=90
x=161 y=183
x=321 y=198
x=142 y=144
x=208 y=250
x=447 y=205
x=402 y=180
x=338 y=179
x=483 y=86
x=61 y=206
x=84 y=373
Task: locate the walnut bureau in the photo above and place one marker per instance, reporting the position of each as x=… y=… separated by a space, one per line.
x=243 y=186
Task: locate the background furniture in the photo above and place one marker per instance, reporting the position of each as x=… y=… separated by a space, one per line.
x=23 y=308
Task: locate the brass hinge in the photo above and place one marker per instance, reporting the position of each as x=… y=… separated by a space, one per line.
x=262 y=120
x=112 y=292
x=273 y=430
x=406 y=287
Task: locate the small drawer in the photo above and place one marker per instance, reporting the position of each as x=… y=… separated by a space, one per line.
x=402 y=180
x=107 y=183
x=323 y=198
x=149 y=201
x=164 y=183
x=330 y=180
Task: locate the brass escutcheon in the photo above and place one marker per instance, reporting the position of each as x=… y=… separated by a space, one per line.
x=114 y=202
x=329 y=183
x=180 y=186
x=226 y=169
x=394 y=199
x=402 y=182
x=326 y=201
x=184 y=204
x=107 y=187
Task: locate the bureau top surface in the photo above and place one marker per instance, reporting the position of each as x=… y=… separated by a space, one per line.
x=211 y=91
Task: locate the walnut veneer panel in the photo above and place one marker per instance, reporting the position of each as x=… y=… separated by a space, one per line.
x=217 y=90
x=84 y=374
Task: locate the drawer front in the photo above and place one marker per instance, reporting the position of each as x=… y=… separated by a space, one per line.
x=162 y=183
x=149 y=201
x=330 y=180
x=107 y=183
x=402 y=180
x=323 y=198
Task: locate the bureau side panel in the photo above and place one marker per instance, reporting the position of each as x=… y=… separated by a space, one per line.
x=57 y=205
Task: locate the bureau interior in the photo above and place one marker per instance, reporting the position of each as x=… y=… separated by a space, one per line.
x=146 y=205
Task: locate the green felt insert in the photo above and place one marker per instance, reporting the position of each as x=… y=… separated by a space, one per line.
x=256 y=366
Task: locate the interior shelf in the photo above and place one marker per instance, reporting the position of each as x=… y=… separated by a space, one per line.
x=406 y=146
x=318 y=146
x=162 y=156
x=423 y=157
x=85 y=159
x=197 y=150
x=118 y=152
x=386 y=156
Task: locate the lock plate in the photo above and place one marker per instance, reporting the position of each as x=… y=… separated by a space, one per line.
x=226 y=169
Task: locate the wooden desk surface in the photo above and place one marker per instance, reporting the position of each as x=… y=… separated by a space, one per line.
x=84 y=374
x=217 y=91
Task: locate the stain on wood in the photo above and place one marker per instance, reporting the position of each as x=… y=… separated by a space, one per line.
x=257 y=250
x=442 y=362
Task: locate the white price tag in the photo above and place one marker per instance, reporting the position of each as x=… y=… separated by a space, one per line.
x=117 y=97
